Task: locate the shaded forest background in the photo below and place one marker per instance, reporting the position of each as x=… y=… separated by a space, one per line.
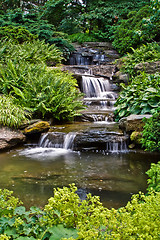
x=125 y=23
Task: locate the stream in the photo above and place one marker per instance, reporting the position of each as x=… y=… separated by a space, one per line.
x=33 y=172
x=91 y=152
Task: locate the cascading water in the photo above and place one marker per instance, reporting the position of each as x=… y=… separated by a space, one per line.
x=57 y=140
x=100 y=101
x=94 y=87
x=98 y=97
x=115 y=147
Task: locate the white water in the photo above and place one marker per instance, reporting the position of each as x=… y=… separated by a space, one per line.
x=50 y=146
x=69 y=141
x=63 y=141
x=94 y=87
x=116 y=147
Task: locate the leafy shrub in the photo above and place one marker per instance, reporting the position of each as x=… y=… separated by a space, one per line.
x=45 y=92
x=146 y=53
x=17 y=34
x=138 y=220
x=66 y=216
x=35 y=26
x=8 y=202
x=64 y=45
x=142 y=96
x=11 y=114
x=82 y=37
x=151 y=132
x=154 y=177
x=33 y=52
x=141 y=27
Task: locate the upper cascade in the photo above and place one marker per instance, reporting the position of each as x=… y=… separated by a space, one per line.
x=93 y=53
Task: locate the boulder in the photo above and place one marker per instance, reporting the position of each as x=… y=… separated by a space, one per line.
x=136 y=137
x=10 y=138
x=132 y=123
x=37 y=128
x=98 y=139
x=148 y=67
x=120 y=77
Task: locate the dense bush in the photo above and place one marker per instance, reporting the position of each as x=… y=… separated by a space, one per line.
x=35 y=27
x=92 y=17
x=67 y=217
x=151 y=132
x=43 y=91
x=17 y=34
x=35 y=52
x=146 y=53
x=140 y=27
x=82 y=37
x=11 y=114
x=142 y=96
x=154 y=177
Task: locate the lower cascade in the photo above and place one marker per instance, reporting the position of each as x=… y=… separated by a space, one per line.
x=89 y=140
x=57 y=140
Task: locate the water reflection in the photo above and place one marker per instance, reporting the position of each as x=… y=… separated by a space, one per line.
x=33 y=173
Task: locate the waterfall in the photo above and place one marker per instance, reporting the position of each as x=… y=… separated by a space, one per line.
x=57 y=140
x=69 y=141
x=94 y=87
x=115 y=147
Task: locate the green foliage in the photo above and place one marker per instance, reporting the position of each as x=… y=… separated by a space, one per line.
x=151 y=133
x=45 y=92
x=138 y=220
x=142 y=96
x=32 y=52
x=11 y=114
x=82 y=37
x=140 y=27
x=17 y=34
x=67 y=217
x=88 y=216
x=146 y=53
x=35 y=26
x=8 y=203
x=154 y=177
x=89 y=16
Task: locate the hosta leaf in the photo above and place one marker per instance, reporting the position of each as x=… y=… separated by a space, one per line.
x=122 y=113
x=146 y=110
x=153 y=90
x=153 y=104
x=58 y=232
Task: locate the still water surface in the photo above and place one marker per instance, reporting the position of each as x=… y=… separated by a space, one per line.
x=32 y=173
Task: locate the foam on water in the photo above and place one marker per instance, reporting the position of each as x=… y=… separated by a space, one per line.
x=41 y=153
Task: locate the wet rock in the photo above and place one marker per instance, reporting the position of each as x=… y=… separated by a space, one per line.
x=29 y=122
x=136 y=137
x=38 y=127
x=98 y=139
x=148 y=67
x=10 y=138
x=120 y=77
x=133 y=123
x=105 y=71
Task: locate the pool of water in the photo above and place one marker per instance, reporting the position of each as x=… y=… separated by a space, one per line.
x=32 y=173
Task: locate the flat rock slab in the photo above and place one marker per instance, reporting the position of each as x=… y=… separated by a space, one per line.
x=133 y=122
x=10 y=138
x=148 y=67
